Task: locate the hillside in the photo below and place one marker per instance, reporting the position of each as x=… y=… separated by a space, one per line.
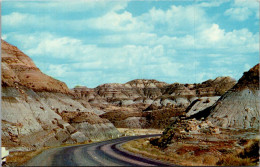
x=34 y=107
x=214 y=131
x=240 y=106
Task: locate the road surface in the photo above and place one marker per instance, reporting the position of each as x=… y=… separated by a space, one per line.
x=106 y=153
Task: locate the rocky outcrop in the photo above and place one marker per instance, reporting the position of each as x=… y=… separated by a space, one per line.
x=200 y=107
x=33 y=107
x=240 y=106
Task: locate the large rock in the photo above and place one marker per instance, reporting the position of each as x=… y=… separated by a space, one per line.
x=199 y=107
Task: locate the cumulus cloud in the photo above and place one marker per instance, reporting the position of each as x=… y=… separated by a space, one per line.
x=176 y=20
x=234 y=41
x=213 y=34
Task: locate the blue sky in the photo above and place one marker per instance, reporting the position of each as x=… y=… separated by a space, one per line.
x=95 y=42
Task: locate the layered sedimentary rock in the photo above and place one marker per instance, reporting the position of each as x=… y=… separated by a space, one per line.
x=17 y=68
x=201 y=107
x=154 y=101
x=240 y=106
x=228 y=116
x=32 y=107
x=237 y=108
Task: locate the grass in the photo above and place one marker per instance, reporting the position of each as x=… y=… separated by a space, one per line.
x=143 y=147
x=19 y=158
x=233 y=160
x=249 y=156
x=181 y=153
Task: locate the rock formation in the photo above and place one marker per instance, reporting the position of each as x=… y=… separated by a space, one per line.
x=155 y=102
x=240 y=106
x=34 y=107
x=224 y=118
x=201 y=107
x=17 y=68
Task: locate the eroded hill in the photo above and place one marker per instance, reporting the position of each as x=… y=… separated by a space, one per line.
x=38 y=110
x=146 y=103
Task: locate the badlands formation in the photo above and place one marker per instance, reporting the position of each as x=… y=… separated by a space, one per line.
x=240 y=106
x=216 y=131
x=236 y=111
x=149 y=103
x=38 y=110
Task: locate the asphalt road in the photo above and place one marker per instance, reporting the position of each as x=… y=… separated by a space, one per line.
x=106 y=153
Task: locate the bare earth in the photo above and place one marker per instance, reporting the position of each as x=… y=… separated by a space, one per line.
x=137 y=132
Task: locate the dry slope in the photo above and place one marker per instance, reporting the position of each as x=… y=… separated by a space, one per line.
x=240 y=106
x=33 y=107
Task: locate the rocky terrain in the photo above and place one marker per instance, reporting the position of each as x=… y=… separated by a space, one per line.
x=149 y=103
x=240 y=106
x=38 y=110
x=226 y=128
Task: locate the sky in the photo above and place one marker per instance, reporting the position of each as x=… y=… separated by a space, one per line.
x=90 y=43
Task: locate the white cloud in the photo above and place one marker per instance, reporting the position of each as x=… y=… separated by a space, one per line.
x=118 y=22
x=240 y=14
x=57 y=70
x=25 y=21
x=211 y=3
x=243 y=9
x=252 y=4
x=176 y=20
x=129 y=38
x=234 y=41
x=213 y=34
x=58 y=47
x=15 y=19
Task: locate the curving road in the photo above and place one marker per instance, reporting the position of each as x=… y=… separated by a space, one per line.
x=106 y=153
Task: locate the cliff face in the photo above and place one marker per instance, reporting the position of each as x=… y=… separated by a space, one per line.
x=33 y=107
x=240 y=106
